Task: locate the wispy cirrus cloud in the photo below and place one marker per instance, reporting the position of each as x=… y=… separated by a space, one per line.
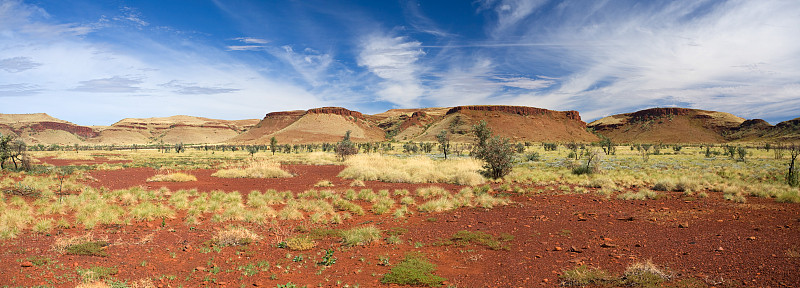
x=612 y=57
x=394 y=59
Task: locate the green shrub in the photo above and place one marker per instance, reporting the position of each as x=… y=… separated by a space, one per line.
x=93 y=248
x=413 y=270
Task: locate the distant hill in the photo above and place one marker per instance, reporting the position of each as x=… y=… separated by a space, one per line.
x=518 y=123
x=668 y=125
x=171 y=130
x=329 y=124
x=326 y=124
x=40 y=128
x=44 y=129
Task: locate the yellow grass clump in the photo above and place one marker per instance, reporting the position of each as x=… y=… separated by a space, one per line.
x=256 y=169
x=371 y=167
x=172 y=177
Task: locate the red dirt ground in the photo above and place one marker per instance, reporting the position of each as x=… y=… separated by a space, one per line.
x=756 y=244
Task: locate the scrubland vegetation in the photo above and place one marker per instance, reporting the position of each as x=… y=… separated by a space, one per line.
x=45 y=198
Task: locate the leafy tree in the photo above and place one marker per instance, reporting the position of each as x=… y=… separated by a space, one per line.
x=496 y=152
x=444 y=142
x=14 y=150
x=345 y=148
x=252 y=149
x=273 y=145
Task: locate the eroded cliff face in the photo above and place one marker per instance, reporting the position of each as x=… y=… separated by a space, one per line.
x=519 y=110
x=82 y=131
x=337 y=111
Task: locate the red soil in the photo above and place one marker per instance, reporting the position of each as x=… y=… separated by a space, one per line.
x=753 y=244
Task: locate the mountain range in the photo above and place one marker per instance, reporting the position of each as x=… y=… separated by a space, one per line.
x=329 y=124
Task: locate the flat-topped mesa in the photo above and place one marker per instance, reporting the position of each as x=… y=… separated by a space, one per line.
x=519 y=110
x=337 y=111
x=71 y=128
x=285 y=113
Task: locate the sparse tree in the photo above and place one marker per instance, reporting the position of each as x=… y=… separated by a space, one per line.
x=14 y=150
x=252 y=149
x=792 y=176
x=444 y=142
x=179 y=148
x=741 y=152
x=608 y=147
x=345 y=148
x=273 y=145
x=496 y=152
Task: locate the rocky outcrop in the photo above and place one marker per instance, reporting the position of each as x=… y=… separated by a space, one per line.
x=337 y=111
x=519 y=110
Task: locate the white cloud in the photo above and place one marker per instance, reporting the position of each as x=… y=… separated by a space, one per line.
x=252 y=40
x=706 y=55
x=116 y=84
x=395 y=60
x=91 y=82
x=18 y=64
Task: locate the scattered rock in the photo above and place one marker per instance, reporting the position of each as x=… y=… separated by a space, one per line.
x=558 y=248
x=626 y=218
x=200 y=268
x=573 y=249
x=683 y=225
x=27 y=264
x=719 y=249
x=751 y=238
x=608 y=245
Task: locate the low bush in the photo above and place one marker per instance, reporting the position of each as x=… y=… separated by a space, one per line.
x=413 y=270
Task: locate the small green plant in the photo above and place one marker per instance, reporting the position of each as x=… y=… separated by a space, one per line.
x=415 y=269
x=464 y=237
x=96 y=273
x=93 y=248
x=328 y=259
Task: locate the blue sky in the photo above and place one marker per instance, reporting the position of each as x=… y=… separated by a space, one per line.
x=96 y=62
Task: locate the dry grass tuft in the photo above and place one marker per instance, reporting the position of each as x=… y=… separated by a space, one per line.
x=235 y=236
x=172 y=177
x=371 y=167
x=256 y=169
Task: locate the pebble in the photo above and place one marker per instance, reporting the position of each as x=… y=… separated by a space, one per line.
x=26 y=264
x=558 y=248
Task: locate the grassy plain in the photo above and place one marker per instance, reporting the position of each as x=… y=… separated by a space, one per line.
x=45 y=202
